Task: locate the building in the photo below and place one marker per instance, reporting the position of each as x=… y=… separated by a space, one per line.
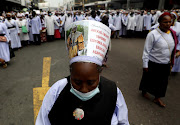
x=122 y=4
x=9 y=5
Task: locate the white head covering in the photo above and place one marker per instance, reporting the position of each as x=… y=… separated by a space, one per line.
x=87 y=41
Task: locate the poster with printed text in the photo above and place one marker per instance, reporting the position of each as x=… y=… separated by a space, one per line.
x=87 y=38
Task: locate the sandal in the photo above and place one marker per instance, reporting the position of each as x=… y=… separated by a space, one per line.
x=5 y=65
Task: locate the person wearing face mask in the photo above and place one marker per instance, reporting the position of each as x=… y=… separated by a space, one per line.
x=49 y=24
x=13 y=31
x=85 y=97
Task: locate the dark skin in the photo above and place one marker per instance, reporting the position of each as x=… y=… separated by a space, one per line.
x=173 y=18
x=164 y=26
x=84 y=76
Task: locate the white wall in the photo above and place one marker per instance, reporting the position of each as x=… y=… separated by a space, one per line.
x=54 y=3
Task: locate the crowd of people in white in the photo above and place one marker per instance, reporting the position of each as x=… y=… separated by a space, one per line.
x=25 y=28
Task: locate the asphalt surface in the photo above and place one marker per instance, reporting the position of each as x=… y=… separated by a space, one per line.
x=24 y=73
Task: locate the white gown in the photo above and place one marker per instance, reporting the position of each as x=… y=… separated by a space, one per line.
x=148 y=21
x=49 y=24
x=139 y=22
x=31 y=38
x=131 y=23
x=176 y=67
x=68 y=21
x=36 y=25
x=23 y=36
x=15 y=40
x=4 y=46
x=117 y=22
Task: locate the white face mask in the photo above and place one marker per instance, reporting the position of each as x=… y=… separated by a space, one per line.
x=85 y=96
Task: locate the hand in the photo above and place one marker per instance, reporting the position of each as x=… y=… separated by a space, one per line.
x=145 y=69
x=177 y=54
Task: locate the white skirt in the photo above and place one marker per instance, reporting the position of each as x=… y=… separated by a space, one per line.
x=176 y=67
x=15 y=40
x=4 y=51
x=31 y=35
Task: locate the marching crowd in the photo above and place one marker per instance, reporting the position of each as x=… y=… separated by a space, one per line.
x=24 y=28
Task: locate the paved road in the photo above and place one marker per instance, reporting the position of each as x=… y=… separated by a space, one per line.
x=124 y=67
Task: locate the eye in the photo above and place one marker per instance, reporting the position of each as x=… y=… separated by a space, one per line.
x=77 y=82
x=91 y=82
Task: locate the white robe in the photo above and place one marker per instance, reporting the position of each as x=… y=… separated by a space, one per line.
x=147 y=21
x=98 y=18
x=111 y=19
x=23 y=36
x=58 y=21
x=124 y=26
x=15 y=40
x=117 y=22
x=131 y=23
x=120 y=115
x=36 y=25
x=4 y=46
x=31 y=38
x=139 y=22
x=68 y=21
x=176 y=67
x=156 y=17
x=80 y=17
x=49 y=24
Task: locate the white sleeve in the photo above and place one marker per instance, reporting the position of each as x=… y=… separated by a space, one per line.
x=40 y=25
x=17 y=27
x=178 y=45
x=6 y=32
x=120 y=115
x=145 y=17
x=56 y=23
x=147 y=48
x=48 y=102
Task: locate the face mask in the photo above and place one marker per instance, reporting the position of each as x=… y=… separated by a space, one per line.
x=84 y=96
x=148 y=13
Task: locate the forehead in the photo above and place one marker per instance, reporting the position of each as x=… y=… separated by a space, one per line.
x=165 y=18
